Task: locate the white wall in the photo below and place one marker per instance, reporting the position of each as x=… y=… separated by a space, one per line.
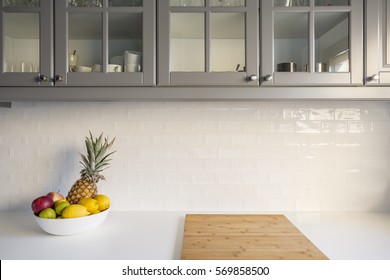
x=211 y=156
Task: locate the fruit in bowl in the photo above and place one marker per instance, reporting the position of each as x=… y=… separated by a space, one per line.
x=64 y=218
x=71 y=226
x=83 y=208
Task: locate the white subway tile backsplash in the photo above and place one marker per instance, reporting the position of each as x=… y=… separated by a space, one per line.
x=231 y=152
x=348 y=114
x=360 y=127
x=232 y=126
x=244 y=139
x=192 y=191
x=308 y=127
x=301 y=114
x=204 y=177
x=205 y=156
x=282 y=127
x=206 y=152
x=243 y=115
x=334 y=126
x=322 y=114
x=257 y=127
x=228 y=177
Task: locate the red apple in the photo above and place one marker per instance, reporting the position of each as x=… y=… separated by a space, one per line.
x=55 y=196
x=41 y=203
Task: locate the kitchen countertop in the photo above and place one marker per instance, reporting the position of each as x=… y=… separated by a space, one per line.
x=158 y=236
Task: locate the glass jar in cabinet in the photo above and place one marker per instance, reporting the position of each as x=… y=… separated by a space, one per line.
x=26 y=43
x=208 y=42
x=105 y=43
x=312 y=42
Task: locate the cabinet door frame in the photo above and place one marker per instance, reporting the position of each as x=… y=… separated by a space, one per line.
x=354 y=77
x=169 y=78
x=46 y=48
x=145 y=78
x=377 y=43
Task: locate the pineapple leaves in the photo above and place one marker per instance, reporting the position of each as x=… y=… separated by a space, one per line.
x=98 y=146
x=97 y=158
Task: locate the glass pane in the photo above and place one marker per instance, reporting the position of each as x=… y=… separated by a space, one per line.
x=21 y=42
x=125 y=3
x=291 y=45
x=85 y=3
x=290 y=3
x=187 y=42
x=332 y=42
x=183 y=3
x=85 y=42
x=331 y=2
x=125 y=42
x=23 y=3
x=227 y=42
x=233 y=3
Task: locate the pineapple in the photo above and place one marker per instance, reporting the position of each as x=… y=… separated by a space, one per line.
x=96 y=161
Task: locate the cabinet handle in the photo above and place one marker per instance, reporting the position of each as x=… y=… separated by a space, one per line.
x=59 y=79
x=268 y=77
x=253 y=78
x=373 y=78
x=43 y=78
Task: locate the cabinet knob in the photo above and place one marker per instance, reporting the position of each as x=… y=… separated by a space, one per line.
x=43 y=78
x=373 y=78
x=59 y=79
x=253 y=78
x=268 y=77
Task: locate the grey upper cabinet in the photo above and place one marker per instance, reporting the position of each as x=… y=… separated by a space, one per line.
x=97 y=43
x=312 y=42
x=26 y=43
x=105 y=43
x=377 y=43
x=208 y=42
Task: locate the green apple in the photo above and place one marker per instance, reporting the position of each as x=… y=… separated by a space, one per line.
x=48 y=213
x=60 y=206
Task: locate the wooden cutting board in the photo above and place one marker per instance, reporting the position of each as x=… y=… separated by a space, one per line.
x=245 y=237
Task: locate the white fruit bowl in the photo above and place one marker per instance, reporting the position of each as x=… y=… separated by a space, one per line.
x=72 y=226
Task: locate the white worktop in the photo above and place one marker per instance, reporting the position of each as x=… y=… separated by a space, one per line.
x=158 y=235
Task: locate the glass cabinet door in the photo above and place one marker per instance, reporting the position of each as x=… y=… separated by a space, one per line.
x=26 y=43
x=312 y=42
x=208 y=42
x=378 y=43
x=105 y=43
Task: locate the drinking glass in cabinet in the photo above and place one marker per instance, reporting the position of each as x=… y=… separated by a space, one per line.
x=186 y=3
x=125 y=3
x=290 y=3
x=22 y=3
x=331 y=2
x=228 y=3
x=85 y=3
x=21 y=42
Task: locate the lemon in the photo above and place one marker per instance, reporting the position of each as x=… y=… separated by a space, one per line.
x=60 y=206
x=48 y=213
x=75 y=211
x=91 y=204
x=104 y=202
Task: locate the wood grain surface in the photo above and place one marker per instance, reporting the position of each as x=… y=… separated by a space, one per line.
x=245 y=237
